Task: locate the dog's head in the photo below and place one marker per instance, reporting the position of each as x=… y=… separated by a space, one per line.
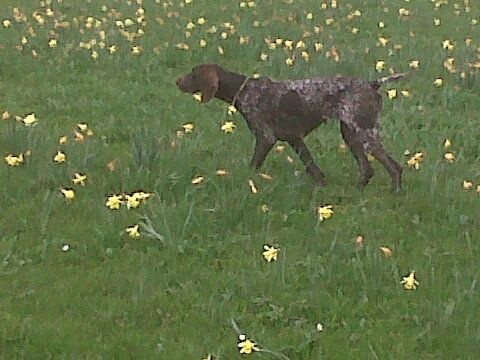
x=203 y=78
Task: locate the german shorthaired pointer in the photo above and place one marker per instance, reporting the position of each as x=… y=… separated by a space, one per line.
x=288 y=110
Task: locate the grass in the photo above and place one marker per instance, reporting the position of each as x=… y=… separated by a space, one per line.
x=173 y=294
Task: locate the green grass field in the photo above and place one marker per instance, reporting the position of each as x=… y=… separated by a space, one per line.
x=75 y=285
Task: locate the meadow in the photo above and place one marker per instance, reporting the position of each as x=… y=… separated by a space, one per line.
x=133 y=228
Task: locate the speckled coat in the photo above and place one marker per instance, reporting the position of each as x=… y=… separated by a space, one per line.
x=290 y=109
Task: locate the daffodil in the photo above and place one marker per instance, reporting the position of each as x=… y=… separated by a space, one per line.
x=13 y=160
x=132 y=201
x=438 y=82
x=228 y=127
x=79 y=179
x=270 y=253
x=197 y=180
x=450 y=157
x=325 y=212
x=253 y=187
x=247 y=346
x=414 y=64
x=30 y=120
x=6 y=23
x=5 y=115
x=467 y=185
x=133 y=231
x=447 y=144
x=409 y=282
x=380 y=65
x=221 y=172
x=63 y=140
x=60 y=157
x=188 y=128
x=114 y=202
x=79 y=137
x=386 y=251
x=360 y=241
x=68 y=193
x=141 y=195
x=82 y=127
x=392 y=93
x=416 y=160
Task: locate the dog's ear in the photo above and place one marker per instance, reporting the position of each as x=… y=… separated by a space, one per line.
x=209 y=83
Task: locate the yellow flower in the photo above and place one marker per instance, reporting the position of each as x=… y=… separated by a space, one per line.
x=450 y=157
x=209 y=357
x=132 y=201
x=13 y=160
x=141 y=195
x=447 y=143
x=416 y=160
x=318 y=46
x=82 y=127
x=386 y=251
x=325 y=212
x=114 y=202
x=343 y=147
x=289 y=61
x=270 y=253
x=438 y=82
x=30 y=120
x=409 y=282
x=198 y=180
x=380 y=65
x=60 y=157
x=266 y=176
x=228 y=127
x=79 y=179
x=137 y=50
x=447 y=45
x=221 y=172
x=383 y=41
x=467 y=185
x=253 y=187
x=392 y=93
x=414 y=64
x=6 y=23
x=231 y=109
x=68 y=193
x=79 y=137
x=360 y=241
x=52 y=43
x=133 y=231
x=247 y=346
x=188 y=128
x=5 y=115
x=63 y=140
x=197 y=97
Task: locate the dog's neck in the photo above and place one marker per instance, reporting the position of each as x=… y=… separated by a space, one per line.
x=229 y=85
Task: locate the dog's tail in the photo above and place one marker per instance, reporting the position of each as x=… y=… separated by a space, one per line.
x=394 y=77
